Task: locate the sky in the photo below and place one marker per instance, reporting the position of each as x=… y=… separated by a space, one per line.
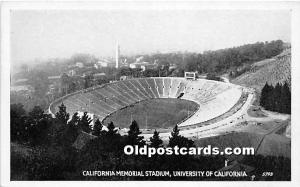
x=43 y=34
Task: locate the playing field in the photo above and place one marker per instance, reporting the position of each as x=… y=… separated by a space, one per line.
x=153 y=113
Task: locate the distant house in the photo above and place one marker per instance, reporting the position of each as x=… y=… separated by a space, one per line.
x=122 y=78
x=21 y=82
x=52 y=88
x=54 y=79
x=72 y=72
x=142 y=65
x=139 y=59
x=173 y=66
x=102 y=64
x=87 y=73
x=79 y=64
x=21 y=88
x=99 y=75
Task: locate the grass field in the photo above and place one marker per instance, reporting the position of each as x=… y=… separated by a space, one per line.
x=153 y=113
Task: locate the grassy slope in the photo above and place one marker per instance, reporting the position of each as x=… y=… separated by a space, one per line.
x=277 y=69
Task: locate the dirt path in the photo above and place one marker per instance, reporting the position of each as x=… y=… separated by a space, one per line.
x=270 y=116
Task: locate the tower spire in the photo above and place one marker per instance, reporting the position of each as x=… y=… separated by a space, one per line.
x=117 y=55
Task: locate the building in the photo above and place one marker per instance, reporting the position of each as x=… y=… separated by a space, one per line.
x=172 y=66
x=79 y=64
x=21 y=82
x=72 y=72
x=99 y=75
x=53 y=79
x=102 y=64
x=21 y=88
x=122 y=78
x=139 y=59
x=142 y=65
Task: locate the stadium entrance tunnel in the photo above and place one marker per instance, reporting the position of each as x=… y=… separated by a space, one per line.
x=159 y=113
x=180 y=95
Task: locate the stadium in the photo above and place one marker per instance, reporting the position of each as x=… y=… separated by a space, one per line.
x=197 y=106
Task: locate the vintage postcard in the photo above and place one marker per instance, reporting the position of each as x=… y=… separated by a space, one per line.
x=150 y=91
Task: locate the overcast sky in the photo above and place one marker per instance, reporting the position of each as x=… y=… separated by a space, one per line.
x=55 y=34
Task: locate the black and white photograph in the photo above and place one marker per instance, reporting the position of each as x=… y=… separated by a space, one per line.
x=147 y=93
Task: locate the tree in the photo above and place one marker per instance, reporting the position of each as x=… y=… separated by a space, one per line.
x=39 y=124
x=84 y=123
x=213 y=76
x=150 y=73
x=125 y=71
x=287 y=98
x=134 y=132
x=88 y=81
x=264 y=94
x=178 y=140
x=97 y=129
x=155 y=140
x=111 y=140
x=191 y=63
x=175 y=132
x=276 y=98
x=62 y=114
x=72 y=87
x=64 y=83
x=18 y=127
x=40 y=82
x=68 y=133
x=36 y=114
x=136 y=72
x=111 y=129
x=74 y=120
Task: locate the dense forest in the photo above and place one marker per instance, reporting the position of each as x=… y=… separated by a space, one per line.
x=220 y=60
x=276 y=98
x=52 y=155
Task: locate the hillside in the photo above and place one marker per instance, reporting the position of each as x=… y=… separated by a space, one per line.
x=273 y=70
